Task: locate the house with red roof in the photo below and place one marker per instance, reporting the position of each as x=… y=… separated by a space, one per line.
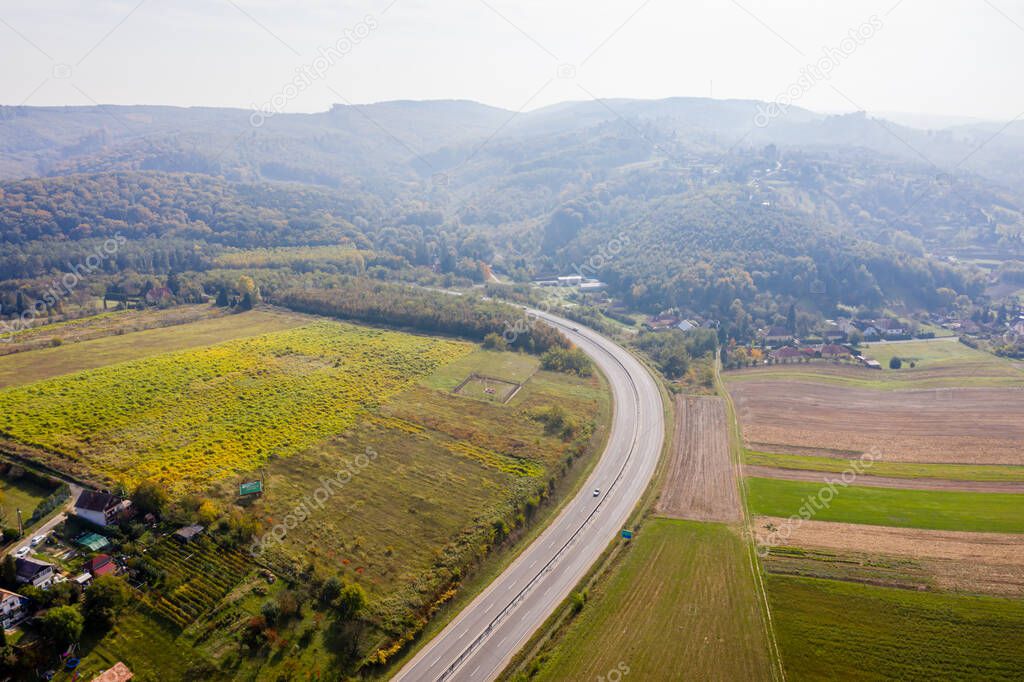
x=101 y=564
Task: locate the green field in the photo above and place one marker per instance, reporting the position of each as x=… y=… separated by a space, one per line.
x=940 y=510
x=955 y=472
x=23 y=494
x=196 y=416
x=513 y=367
x=682 y=604
x=830 y=630
x=926 y=354
x=940 y=364
x=27 y=367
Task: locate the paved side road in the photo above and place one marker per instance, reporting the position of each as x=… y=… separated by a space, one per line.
x=49 y=525
x=482 y=639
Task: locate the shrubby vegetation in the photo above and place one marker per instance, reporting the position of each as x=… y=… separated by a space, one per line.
x=424 y=310
x=673 y=350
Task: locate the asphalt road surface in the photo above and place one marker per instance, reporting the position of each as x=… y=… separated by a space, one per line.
x=481 y=640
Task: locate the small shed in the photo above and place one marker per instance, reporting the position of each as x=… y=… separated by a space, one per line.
x=188 y=533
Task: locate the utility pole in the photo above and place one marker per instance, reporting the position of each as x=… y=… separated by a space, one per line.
x=21 y=526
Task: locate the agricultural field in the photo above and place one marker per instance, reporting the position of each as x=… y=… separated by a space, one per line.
x=195 y=416
x=953 y=426
x=682 y=599
x=941 y=363
x=119 y=343
x=940 y=510
x=511 y=367
x=375 y=471
x=836 y=630
x=904 y=470
x=955 y=561
x=701 y=481
x=107 y=323
x=344 y=258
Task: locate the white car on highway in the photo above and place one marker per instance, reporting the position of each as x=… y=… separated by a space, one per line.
x=597 y=491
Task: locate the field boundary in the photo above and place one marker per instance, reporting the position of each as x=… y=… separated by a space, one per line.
x=736 y=450
x=474 y=376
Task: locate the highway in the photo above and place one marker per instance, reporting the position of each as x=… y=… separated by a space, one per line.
x=481 y=640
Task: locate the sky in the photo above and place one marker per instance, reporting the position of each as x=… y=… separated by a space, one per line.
x=958 y=58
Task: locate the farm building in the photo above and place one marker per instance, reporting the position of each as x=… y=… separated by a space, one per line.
x=100 y=508
x=12 y=608
x=34 y=572
x=101 y=564
x=832 y=351
x=570 y=280
x=787 y=354
x=188 y=533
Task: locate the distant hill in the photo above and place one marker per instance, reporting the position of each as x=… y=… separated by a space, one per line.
x=723 y=200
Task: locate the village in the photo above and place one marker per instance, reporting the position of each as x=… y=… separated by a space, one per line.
x=83 y=556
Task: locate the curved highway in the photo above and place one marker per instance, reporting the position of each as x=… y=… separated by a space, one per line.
x=481 y=640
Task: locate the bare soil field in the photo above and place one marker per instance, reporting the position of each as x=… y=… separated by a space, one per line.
x=966 y=425
x=990 y=563
x=701 y=483
x=887 y=481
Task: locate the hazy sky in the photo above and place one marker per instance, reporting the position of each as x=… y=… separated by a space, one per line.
x=953 y=57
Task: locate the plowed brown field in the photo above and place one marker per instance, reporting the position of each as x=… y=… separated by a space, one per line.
x=964 y=425
x=701 y=483
x=968 y=562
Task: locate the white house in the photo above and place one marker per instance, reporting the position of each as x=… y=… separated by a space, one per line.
x=12 y=608
x=99 y=508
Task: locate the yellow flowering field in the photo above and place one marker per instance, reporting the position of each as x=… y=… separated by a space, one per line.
x=193 y=417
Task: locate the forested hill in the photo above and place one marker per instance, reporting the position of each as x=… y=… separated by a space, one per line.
x=724 y=216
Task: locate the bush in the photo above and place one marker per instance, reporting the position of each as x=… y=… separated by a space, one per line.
x=895 y=363
x=568 y=360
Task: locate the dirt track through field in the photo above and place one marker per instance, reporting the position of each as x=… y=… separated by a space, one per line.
x=967 y=425
x=701 y=483
x=888 y=482
x=970 y=562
